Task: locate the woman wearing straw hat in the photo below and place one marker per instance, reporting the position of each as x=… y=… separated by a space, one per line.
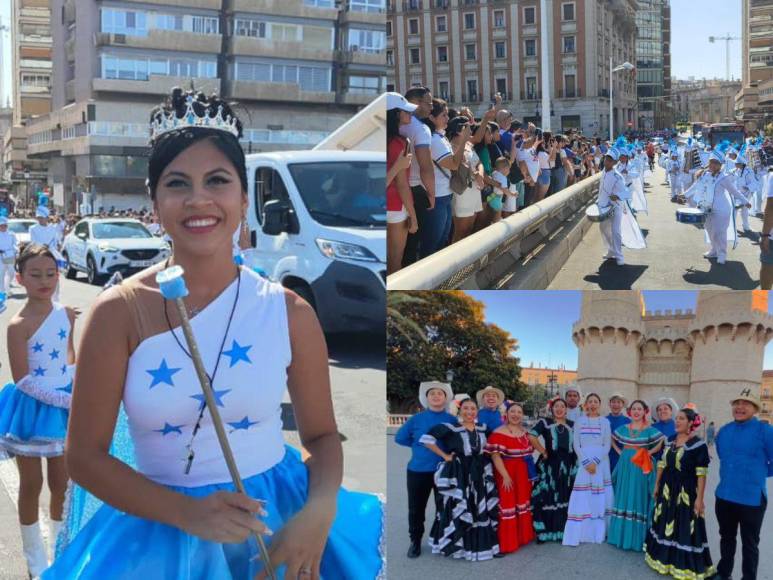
x=490 y=401
x=435 y=397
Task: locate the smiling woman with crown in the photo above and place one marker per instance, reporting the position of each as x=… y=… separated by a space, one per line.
x=170 y=510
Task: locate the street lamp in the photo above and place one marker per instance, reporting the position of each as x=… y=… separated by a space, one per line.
x=625 y=66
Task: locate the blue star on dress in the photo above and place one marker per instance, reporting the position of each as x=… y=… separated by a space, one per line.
x=64 y=369
x=40 y=371
x=53 y=354
x=170 y=429
x=218 y=395
x=243 y=424
x=162 y=374
x=63 y=333
x=238 y=353
x=37 y=347
x=67 y=389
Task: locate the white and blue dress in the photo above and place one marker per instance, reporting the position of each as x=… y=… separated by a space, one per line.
x=34 y=411
x=162 y=400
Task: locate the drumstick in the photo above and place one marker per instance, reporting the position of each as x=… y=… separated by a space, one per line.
x=172 y=285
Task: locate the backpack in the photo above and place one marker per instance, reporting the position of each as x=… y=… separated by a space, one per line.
x=460 y=179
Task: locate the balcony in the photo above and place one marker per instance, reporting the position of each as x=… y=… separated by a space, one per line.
x=69 y=91
x=360 y=17
x=363 y=57
x=69 y=49
x=69 y=12
x=527 y=96
x=354 y=98
x=203 y=4
x=164 y=40
x=286 y=92
x=411 y=6
x=157 y=85
x=284 y=8
x=569 y=94
x=248 y=46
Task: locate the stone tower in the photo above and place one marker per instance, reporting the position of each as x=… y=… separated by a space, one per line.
x=728 y=336
x=608 y=336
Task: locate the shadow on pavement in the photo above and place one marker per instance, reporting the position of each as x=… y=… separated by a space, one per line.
x=750 y=235
x=732 y=275
x=610 y=276
x=357 y=350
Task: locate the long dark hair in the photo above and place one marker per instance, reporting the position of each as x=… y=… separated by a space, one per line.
x=168 y=146
x=393 y=123
x=438 y=105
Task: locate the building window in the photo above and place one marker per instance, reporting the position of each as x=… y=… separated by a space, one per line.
x=567 y=12
x=499 y=50
x=530 y=47
x=38 y=81
x=569 y=45
x=169 y=21
x=414 y=56
x=529 y=15
x=389 y=28
x=569 y=86
x=443 y=89
x=469 y=52
x=252 y=28
x=413 y=26
x=440 y=23
x=442 y=54
x=502 y=87
x=127 y=22
x=499 y=18
x=320 y=3
x=469 y=20
x=140 y=68
x=531 y=88
x=373 y=41
x=390 y=57
x=206 y=25
x=364 y=85
x=366 y=5
x=472 y=90
x=309 y=78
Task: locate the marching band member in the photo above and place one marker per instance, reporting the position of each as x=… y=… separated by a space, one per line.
x=714 y=192
x=612 y=191
x=746 y=183
x=7 y=258
x=673 y=167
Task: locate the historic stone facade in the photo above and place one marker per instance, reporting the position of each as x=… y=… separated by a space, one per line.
x=703 y=356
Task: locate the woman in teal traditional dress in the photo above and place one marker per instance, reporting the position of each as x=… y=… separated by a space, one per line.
x=556 y=470
x=676 y=542
x=633 y=479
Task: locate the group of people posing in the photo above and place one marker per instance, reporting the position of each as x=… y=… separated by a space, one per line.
x=450 y=174
x=624 y=478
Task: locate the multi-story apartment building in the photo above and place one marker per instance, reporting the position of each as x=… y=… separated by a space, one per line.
x=297 y=68
x=710 y=101
x=653 y=63
x=467 y=50
x=31 y=67
x=757 y=61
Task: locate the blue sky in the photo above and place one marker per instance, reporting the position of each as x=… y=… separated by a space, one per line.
x=542 y=320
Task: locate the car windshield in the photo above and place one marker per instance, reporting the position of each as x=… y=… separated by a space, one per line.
x=345 y=193
x=113 y=230
x=20 y=227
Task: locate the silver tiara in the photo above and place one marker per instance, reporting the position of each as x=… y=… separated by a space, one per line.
x=171 y=122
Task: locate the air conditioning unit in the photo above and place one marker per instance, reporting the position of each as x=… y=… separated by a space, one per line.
x=119 y=39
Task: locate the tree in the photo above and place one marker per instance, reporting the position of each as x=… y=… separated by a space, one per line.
x=458 y=339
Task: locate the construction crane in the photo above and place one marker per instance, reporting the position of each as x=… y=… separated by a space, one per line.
x=727 y=40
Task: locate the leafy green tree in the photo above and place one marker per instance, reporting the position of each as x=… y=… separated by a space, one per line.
x=458 y=339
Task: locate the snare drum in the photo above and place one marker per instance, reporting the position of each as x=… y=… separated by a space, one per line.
x=595 y=213
x=690 y=215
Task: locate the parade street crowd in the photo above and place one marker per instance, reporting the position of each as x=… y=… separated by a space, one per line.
x=630 y=479
x=452 y=174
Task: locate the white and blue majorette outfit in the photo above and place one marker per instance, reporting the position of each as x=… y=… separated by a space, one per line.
x=592 y=499
x=162 y=400
x=34 y=411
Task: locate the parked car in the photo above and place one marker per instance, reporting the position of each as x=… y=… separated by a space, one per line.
x=21 y=227
x=318 y=226
x=101 y=247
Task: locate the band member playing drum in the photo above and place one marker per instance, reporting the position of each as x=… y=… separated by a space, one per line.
x=612 y=191
x=715 y=193
x=746 y=184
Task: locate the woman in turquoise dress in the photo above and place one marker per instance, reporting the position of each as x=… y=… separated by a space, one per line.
x=633 y=479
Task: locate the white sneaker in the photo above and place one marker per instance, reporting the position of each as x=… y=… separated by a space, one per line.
x=608 y=257
x=710 y=255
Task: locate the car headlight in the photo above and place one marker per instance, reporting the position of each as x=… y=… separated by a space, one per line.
x=103 y=247
x=345 y=251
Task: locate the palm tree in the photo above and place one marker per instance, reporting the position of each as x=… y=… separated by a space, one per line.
x=399 y=322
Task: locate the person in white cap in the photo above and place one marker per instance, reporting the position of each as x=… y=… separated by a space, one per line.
x=572 y=396
x=490 y=401
x=8 y=244
x=715 y=192
x=612 y=191
x=673 y=168
x=44 y=233
x=435 y=397
x=746 y=184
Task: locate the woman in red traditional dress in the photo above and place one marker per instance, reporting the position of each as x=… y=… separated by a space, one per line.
x=511 y=452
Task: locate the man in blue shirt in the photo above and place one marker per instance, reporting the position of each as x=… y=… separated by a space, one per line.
x=490 y=401
x=617 y=418
x=435 y=397
x=745 y=450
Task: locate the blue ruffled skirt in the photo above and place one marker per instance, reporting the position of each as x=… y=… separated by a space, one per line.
x=29 y=427
x=116 y=545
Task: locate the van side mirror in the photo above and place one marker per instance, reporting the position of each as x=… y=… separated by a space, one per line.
x=278 y=217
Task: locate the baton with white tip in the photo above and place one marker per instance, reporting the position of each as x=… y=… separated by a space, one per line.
x=172 y=285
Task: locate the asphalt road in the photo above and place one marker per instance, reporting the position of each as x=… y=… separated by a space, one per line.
x=534 y=561
x=673 y=259
x=358 y=376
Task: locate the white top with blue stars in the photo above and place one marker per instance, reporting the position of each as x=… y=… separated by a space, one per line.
x=162 y=395
x=47 y=351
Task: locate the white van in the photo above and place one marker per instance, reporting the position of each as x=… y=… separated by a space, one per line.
x=318 y=225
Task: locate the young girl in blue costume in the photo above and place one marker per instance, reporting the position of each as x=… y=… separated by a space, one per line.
x=34 y=410
x=176 y=515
